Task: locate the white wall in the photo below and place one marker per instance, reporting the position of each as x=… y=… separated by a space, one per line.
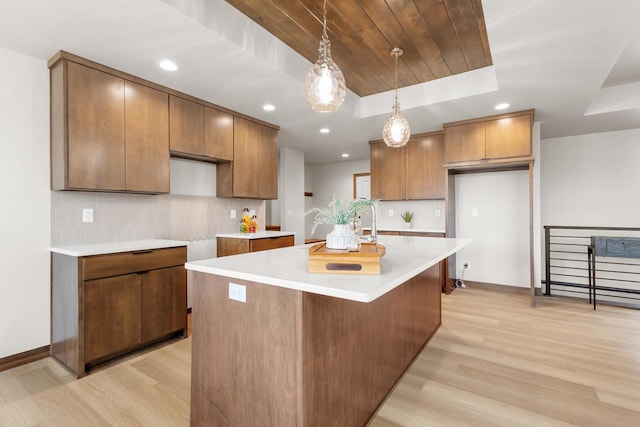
x=591 y=180
x=291 y=193
x=24 y=217
x=499 y=251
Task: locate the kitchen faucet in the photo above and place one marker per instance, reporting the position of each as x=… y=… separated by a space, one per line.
x=373 y=237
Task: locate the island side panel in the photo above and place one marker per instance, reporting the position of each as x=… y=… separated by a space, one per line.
x=246 y=357
x=354 y=352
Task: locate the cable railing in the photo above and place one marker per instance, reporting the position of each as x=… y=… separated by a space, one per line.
x=568 y=272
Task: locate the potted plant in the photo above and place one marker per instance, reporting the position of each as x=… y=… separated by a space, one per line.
x=407 y=216
x=339 y=214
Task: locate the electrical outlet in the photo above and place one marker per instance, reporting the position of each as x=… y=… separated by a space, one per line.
x=237 y=292
x=87 y=215
x=233 y=213
x=438 y=212
x=466 y=265
x=474 y=212
x=390 y=212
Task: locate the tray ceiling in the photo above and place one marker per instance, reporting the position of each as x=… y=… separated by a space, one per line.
x=440 y=38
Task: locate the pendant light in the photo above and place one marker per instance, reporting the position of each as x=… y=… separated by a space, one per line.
x=324 y=86
x=396 y=131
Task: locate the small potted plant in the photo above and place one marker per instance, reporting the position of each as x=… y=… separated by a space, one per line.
x=339 y=214
x=407 y=216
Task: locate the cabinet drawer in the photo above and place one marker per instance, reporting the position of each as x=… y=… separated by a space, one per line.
x=271 y=243
x=131 y=262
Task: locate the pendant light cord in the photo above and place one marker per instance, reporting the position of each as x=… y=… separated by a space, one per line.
x=395 y=103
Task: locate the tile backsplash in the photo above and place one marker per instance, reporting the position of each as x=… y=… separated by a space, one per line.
x=121 y=217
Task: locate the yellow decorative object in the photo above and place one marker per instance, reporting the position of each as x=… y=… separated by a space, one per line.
x=245 y=222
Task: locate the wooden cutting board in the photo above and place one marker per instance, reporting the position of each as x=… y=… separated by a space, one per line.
x=364 y=261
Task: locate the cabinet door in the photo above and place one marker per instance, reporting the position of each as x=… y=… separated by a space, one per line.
x=267 y=163
x=111 y=315
x=387 y=172
x=95 y=108
x=164 y=302
x=245 y=158
x=509 y=137
x=464 y=143
x=147 y=139
x=425 y=171
x=218 y=134
x=186 y=120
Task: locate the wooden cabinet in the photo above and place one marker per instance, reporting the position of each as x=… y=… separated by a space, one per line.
x=107 y=134
x=412 y=172
x=233 y=246
x=111 y=315
x=498 y=138
x=106 y=305
x=218 y=134
x=147 y=139
x=187 y=126
x=200 y=132
x=253 y=174
x=388 y=180
x=425 y=173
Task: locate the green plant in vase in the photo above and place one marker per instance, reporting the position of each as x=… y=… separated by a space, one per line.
x=407 y=216
x=339 y=214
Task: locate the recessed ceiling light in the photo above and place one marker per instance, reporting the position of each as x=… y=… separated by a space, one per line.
x=502 y=106
x=268 y=107
x=325 y=130
x=345 y=155
x=168 y=65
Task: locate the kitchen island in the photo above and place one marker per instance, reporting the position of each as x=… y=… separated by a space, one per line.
x=308 y=349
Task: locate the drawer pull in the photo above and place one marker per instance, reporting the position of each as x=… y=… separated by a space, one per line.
x=148 y=251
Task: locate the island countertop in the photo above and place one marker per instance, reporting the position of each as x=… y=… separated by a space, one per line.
x=405 y=257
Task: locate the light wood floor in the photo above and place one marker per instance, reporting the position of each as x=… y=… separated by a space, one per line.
x=494 y=362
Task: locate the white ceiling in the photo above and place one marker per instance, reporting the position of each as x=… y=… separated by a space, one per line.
x=577 y=62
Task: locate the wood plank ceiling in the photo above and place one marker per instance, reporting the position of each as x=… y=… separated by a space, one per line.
x=440 y=38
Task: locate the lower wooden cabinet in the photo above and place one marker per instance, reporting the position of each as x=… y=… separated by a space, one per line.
x=234 y=246
x=103 y=306
x=111 y=315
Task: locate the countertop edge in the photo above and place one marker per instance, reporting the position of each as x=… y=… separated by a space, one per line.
x=116 y=247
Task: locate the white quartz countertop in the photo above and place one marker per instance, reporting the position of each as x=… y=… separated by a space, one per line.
x=115 y=247
x=418 y=230
x=405 y=257
x=257 y=235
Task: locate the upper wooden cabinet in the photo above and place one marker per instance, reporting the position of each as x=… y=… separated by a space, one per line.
x=388 y=180
x=147 y=139
x=253 y=174
x=495 y=139
x=412 y=172
x=111 y=131
x=187 y=126
x=218 y=134
x=114 y=135
x=200 y=132
x=425 y=174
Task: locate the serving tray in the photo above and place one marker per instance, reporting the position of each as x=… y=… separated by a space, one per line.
x=364 y=261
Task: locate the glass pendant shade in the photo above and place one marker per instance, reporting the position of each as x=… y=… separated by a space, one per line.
x=396 y=131
x=324 y=87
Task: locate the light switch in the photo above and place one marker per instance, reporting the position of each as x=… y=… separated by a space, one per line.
x=233 y=213
x=87 y=215
x=390 y=212
x=289 y=212
x=474 y=212
x=438 y=212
